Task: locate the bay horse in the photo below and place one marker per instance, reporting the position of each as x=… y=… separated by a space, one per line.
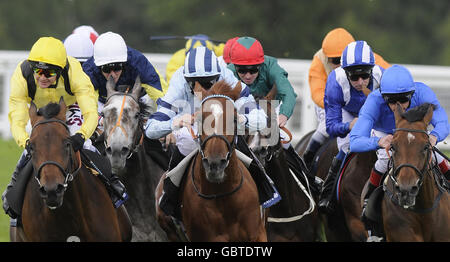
x=295 y=217
x=345 y=224
x=123 y=120
x=415 y=207
x=218 y=196
x=64 y=201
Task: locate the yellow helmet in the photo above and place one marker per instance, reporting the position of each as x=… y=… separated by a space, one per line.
x=199 y=40
x=48 y=50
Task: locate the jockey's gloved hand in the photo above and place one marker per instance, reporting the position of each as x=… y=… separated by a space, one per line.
x=77 y=141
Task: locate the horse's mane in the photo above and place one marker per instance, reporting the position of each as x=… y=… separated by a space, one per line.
x=49 y=111
x=223 y=88
x=144 y=111
x=417 y=113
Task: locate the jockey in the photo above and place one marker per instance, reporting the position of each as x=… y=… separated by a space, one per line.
x=176 y=108
x=112 y=57
x=79 y=46
x=88 y=31
x=376 y=122
x=177 y=59
x=324 y=61
x=47 y=75
x=261 y=73
x=346 y=90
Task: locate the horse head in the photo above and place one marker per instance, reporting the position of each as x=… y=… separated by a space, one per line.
x=217 y=127
x=411 y=152
x=52 y=153
x=123 y=121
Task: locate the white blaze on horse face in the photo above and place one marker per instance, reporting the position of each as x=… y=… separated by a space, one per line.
x=411 y=137
x=216 y=110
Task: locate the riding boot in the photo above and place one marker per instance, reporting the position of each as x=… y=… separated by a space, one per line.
x=310 y=152
x=154 y=149
x=119 y=194
x=297 y=163
x=23 y=162
x=169 y=199
x=327 y=200
x=371 y=226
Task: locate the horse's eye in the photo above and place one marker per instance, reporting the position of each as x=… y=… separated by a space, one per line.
x=137 y=115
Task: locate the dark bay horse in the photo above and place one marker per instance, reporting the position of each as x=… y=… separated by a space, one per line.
x=219 y=199
x=415 y=207
x=344 y=224
x=63 y=200
x=295 y=217
x=123 y=134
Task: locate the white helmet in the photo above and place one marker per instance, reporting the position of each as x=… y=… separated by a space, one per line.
x=109 y=48
x=79 y=46
x=86 y=30
x=201 y=62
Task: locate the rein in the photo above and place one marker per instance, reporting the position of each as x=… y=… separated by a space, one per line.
x=68 y=175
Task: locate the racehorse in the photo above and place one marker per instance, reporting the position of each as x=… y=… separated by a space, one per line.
x=123 y=118
x=415 y=207
x=64 y=201
x=345 y=224
x=295 y=217
x=219 y=198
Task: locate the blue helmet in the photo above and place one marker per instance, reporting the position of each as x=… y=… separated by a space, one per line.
x=201 y=62
x=396 y=79
x=357 y=55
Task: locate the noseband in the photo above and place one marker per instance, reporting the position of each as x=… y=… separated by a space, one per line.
x=68 y=175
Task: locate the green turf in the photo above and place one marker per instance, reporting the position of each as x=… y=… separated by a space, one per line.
x=9 y=155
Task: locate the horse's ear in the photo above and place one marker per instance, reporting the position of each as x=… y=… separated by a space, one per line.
x=62 y=109
x=32 y=112
x=199 y=90
x=398 y=112
x=137 y=88
x=236 y=91
x=429 y=114
x=110 y=87
x=272 y=94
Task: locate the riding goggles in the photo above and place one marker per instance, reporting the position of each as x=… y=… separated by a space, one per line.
x=356 y=77
x=116 y=67
x=335 y=60
x=46 y=72
x=401 y=97
x=252 y=69
x=205 y=82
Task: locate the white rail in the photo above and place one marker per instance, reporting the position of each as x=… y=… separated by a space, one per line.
x=303 y=119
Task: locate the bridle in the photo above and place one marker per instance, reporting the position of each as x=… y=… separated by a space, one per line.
x=119 y=119
x=68 y=175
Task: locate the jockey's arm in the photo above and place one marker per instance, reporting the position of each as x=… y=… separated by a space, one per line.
x=86 y=98
x=285 y=91
x=360 y=136
x=18 y=108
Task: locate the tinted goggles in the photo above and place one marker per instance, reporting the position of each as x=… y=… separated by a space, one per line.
x=335 y=60
x=247 y=69
x=46 y=72
x=116 y=67
x=205 y=82
x=356 y=77
x=401 y=98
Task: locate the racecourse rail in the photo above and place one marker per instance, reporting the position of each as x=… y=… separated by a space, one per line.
x=302 y=121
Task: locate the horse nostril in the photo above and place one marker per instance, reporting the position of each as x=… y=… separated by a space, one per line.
x=414 y=190
x=108 y=150
x=60 y=189
x=42 y=191
x=223 y=163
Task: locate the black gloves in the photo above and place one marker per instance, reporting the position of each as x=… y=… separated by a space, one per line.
x=77 y=141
